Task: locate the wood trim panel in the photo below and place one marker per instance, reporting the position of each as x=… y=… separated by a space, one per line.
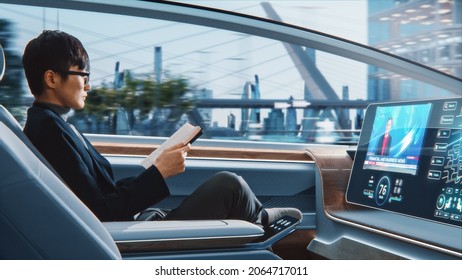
x=205 y=152
x=348 y=249
x=334 y=165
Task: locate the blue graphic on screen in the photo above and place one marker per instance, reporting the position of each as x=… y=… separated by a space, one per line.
x=397 y=137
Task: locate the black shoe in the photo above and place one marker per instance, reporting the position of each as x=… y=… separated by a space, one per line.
x=273 y=214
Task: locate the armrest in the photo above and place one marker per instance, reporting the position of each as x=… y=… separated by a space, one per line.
x=152 y=236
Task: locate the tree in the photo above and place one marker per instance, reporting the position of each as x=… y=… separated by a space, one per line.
x=152 y=108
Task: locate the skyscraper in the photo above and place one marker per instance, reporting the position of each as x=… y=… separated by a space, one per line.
x=245 y=111
x=255 y=94
x=291 y=120
x=274 y=123
x=250 y=91
x=158 y=63
x=424 y=31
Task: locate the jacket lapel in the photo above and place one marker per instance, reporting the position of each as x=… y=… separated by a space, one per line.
x=99 y=162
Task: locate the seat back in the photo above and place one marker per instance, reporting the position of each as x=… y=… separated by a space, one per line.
x=8 y=119
x=40 y=218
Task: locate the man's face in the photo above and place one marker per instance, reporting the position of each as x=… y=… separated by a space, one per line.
x=72 y=92
x=388 y=127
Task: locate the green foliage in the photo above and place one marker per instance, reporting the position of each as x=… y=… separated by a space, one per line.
x=140 y=95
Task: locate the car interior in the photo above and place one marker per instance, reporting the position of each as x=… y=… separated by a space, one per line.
x=356 y=203
x=51 y=207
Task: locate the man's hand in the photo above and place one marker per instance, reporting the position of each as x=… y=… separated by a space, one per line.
x=172 y=160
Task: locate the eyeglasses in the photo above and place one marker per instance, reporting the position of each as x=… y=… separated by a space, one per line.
x=85 y=75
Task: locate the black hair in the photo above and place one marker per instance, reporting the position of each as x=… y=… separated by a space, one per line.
x=52 y=50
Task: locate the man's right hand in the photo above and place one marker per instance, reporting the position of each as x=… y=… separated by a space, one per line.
x=172 y=160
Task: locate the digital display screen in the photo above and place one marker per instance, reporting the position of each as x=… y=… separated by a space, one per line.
x=397 y=137
x=409 y=160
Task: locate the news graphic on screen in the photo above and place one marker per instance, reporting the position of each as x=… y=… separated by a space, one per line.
x=397 y=137
x=409 y=160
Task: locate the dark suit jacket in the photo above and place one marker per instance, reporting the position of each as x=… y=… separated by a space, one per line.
x=378 y=150
x=87 y=173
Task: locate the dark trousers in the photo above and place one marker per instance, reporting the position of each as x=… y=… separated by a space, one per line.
x=224 y=196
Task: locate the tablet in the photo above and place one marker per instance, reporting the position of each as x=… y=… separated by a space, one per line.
x=409 y=160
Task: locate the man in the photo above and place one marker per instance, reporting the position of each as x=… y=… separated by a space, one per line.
x=384 y=143
x=57 y=70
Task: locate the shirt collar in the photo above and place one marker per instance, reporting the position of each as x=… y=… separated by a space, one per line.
x=61 y=111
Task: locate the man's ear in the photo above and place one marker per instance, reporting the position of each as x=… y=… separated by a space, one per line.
x=50 y=79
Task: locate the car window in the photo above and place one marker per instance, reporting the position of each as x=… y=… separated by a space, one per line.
x=149 y=76
x=425 y=31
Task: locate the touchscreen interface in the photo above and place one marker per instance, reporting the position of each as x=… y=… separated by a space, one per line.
x=397 y=137
x=409 y=160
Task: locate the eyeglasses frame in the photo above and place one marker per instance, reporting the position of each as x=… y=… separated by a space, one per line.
x=79 y=73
